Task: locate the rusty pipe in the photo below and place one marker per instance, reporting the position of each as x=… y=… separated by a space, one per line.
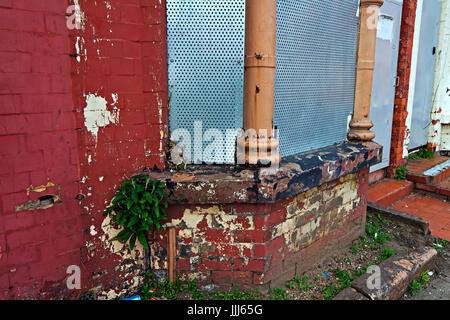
x=259 y=80
x=360 y=124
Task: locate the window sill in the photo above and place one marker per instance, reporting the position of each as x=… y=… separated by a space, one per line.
x=203 y=184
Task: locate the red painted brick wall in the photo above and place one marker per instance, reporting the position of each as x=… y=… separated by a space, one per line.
x=399 y=129
x=48 y=72
x=37 y=146
x=121 y=53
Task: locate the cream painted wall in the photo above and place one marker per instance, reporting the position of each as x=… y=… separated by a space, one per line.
x=412 y=79
x=439 y=130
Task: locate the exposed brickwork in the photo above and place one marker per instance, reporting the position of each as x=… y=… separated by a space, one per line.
x=377 y=176
x=86 y=108
x=264 y=245
x=399 y=130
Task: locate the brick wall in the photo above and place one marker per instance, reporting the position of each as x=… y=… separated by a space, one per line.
x=37 y=147
x=264 y=245
x=82 y=109
x=119 y=67
x=399 y=128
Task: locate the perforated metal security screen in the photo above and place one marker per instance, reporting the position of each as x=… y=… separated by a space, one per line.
x=315 y=75
x=205 y=40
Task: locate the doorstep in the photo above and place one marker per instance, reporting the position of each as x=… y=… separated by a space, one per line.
x=435 y=211
x=388 y=191
x=429 y=171
x=440 y=190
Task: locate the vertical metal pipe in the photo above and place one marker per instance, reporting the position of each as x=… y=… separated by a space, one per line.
x=361 y=124
x=259 y=82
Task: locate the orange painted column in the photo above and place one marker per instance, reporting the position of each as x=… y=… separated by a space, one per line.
x=257 y=145
x=360 y=125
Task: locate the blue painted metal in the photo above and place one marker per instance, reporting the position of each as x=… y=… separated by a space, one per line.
x=426 y=64
x=132 y=298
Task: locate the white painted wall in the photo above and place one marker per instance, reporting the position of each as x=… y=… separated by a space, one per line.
x=439 y=131
x=412 y=79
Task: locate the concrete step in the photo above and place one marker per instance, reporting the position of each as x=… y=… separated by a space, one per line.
x=396 y=274
x=388 y=191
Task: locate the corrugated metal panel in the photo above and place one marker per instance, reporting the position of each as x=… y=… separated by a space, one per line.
x=315 y=75
x=206 y=69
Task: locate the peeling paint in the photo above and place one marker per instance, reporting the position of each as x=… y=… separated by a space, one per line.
x=41 y=188
x=97 y=115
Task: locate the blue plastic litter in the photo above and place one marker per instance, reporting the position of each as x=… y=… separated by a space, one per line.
x=326 y=274
x=133 y=298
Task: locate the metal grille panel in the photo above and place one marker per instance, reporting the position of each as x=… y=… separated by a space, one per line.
x=206 y=70
x=315 y=75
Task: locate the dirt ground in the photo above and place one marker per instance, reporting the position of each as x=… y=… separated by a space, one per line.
x=438 y=288
x=322 y=283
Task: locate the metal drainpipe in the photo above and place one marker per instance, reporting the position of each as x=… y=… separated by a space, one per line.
x=361 y=124
x=259 y=84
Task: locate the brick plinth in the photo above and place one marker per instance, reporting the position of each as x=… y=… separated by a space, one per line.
x=263 y=245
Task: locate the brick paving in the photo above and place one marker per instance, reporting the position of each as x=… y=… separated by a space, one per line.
x=435 y=211
x=424 y=196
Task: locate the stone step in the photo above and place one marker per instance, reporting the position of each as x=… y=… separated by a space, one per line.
x=396 y=274
x=440 y=190
x=388 y=191
x=429 y=171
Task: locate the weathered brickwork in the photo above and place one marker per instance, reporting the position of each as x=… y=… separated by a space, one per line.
x=119 y=86
x=400 y=131
x=264 y=244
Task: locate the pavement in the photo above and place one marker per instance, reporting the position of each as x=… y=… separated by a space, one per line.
x=439 y=286
x=435 y=211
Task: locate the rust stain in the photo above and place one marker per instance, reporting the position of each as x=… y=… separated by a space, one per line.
x=182 y=177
